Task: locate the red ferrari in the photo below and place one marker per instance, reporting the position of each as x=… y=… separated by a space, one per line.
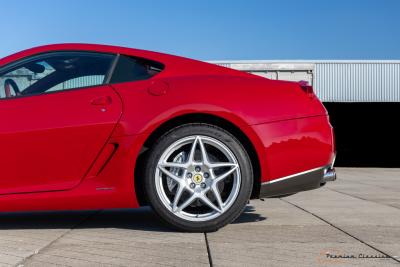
x=101 y=127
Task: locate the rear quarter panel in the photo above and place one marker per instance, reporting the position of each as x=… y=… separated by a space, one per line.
x=288 y=129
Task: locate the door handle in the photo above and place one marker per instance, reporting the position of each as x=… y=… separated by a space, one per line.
x=102 y=101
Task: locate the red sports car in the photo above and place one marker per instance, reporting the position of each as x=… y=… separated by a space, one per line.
x=101 y=127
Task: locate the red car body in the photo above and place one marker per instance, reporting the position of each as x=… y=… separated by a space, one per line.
x=76 y=156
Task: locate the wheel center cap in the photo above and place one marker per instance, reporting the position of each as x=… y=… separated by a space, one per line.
x=197 y=178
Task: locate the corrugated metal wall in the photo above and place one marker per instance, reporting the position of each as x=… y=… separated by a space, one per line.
x=334 y=81
x=357 y=82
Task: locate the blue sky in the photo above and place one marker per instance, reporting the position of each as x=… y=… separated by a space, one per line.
x=212 y=29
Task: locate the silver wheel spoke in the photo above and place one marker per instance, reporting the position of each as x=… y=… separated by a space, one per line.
x=178 y=195
x=187 y=202
x=173 y=165
x=222 y=165
x=170 y=174
x=223 y=176
x=203 y=152
x=208 y=202
x=214 y=189
x=193 y=150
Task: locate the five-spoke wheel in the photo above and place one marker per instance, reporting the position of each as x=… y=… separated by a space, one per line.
x=198 y=174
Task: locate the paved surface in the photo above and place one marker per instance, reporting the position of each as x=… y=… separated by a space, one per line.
x=357 y=214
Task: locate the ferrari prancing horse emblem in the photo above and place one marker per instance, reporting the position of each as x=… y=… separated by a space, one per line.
x=198 y=178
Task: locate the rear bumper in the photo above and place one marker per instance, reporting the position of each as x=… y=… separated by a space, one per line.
x=295 y=183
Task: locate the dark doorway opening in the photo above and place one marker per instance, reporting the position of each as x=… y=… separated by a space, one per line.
x=367 y=134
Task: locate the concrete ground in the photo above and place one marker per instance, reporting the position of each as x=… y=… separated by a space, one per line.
x=342 y=224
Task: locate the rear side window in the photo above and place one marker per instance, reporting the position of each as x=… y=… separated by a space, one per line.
x=129 y=69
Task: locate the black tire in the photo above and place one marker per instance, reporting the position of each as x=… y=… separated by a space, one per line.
x=229 y=141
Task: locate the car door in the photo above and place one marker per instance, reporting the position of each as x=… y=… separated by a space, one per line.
x=56 y=114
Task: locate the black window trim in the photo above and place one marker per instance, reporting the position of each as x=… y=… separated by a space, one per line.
x=110 y=73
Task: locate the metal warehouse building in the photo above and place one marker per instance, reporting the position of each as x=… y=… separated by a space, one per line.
x=333 y=81
x=362 y=98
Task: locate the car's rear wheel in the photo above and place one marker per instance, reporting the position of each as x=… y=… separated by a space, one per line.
x=198 y=178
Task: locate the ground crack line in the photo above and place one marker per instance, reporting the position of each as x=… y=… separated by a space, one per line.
x=361 y=198
x=208 y=250
x=21 y=262
x=343 y=231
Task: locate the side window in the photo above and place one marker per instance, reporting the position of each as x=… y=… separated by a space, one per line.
x=16 y=81
x=129 y=69
x=56 y=71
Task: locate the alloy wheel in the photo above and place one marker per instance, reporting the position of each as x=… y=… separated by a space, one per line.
x=198 y=178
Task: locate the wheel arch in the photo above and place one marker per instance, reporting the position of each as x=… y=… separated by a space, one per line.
x=206 y=118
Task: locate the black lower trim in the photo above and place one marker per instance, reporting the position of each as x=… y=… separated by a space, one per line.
x=292 y=184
